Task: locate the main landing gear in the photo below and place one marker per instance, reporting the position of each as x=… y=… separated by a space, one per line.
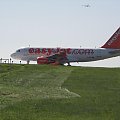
x=68 y=64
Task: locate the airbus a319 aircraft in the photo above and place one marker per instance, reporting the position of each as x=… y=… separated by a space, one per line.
x=60 y=56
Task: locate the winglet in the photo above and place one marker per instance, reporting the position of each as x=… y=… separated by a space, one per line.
x=114 y=41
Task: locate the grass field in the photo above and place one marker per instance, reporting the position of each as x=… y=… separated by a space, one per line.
x=45 y=92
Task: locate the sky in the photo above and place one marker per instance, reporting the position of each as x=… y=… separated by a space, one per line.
x=58 y=23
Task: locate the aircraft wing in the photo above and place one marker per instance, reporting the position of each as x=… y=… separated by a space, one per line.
x=58 y=58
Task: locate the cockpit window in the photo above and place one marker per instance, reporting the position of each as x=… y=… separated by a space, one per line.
x=18 y=51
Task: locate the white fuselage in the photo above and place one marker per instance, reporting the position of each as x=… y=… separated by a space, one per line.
x=73 y=55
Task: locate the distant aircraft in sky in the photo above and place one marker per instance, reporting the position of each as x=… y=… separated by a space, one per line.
x=60 y=56
x=87 y=5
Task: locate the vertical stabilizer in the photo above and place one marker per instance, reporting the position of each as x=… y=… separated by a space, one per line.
x=114 y=41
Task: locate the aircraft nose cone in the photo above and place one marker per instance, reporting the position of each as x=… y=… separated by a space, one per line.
x=13 y=55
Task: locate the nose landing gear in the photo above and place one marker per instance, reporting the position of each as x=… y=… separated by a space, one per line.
x=28 y=62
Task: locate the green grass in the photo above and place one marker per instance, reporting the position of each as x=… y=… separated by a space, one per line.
x=46 y=92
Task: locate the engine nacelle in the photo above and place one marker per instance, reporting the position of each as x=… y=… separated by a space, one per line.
x=42 y=60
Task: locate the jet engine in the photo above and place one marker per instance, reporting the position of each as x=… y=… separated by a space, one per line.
x=42 y=60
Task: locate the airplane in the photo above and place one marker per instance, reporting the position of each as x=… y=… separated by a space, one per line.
x=87 y=5
x=60 y=56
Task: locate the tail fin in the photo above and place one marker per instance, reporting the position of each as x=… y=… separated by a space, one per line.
x=114 y=41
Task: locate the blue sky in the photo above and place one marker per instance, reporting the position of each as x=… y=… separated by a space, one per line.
x=58 y=23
